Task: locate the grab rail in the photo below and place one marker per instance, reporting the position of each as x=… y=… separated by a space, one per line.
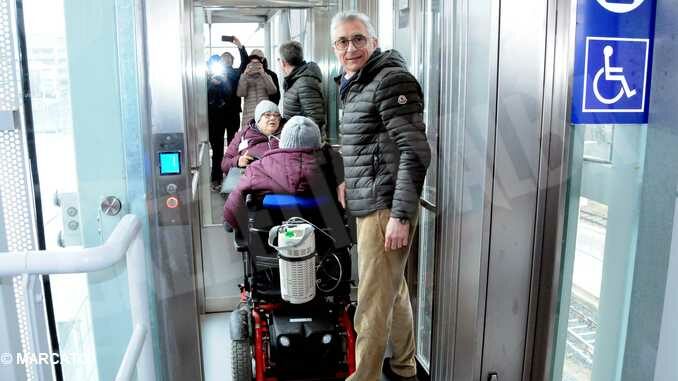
x=202 y=150
x=125 y=241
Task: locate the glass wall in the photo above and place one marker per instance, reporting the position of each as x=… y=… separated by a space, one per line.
x=617 y=310
x=251 y=35
x=289 y=25
x=51 y=103
x=385 y=24
x=84 y=89
x=604 y=204
x=430 y=16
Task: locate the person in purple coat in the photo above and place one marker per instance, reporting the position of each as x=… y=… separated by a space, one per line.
x=301 y=165
x=260 y=135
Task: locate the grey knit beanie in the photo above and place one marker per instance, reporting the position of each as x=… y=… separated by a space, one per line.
x=300 y=132
x=264 y=107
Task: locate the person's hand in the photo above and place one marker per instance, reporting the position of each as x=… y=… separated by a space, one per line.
x=341 y=194
x=236 y=41
x=397 y=234
x=244 y=160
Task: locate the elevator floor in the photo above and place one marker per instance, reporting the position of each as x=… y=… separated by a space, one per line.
x=216 y=347
x=217 y=207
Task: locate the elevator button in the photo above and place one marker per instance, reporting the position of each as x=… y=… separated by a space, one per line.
x=172 y=202
x=73 y=225
x=111 y=206
x=172 y=189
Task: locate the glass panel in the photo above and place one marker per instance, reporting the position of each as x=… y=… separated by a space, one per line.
x=277 y=39
x=250 y=34
x=385 y=24
x=50 y=96
x=598 y=143
x=427 y=231
x=583 y=319
x=299 y=21
x=402 y=36
x=432 y=93
x=600 y=250
x=82 y=68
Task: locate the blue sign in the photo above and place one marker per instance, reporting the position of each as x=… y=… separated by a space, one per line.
x=613 y=61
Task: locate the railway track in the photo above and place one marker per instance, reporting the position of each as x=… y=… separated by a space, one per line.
x=581 y=331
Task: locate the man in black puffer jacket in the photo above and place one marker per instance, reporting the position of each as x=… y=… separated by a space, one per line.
x=386 y=155
x=303 y=94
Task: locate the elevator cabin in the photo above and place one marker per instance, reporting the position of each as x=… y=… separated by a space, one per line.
x=111 y=89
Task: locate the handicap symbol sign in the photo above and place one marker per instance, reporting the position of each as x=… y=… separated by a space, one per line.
x=615 y=74
x=612 y=74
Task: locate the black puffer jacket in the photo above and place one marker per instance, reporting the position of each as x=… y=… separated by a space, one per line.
x=303 y=94
x=383 y=138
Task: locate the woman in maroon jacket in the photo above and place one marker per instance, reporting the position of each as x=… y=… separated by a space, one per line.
x=302 y=165
x=251 y=142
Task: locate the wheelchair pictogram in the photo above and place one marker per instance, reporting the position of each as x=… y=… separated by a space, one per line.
x=615 y=74
x=611 y=74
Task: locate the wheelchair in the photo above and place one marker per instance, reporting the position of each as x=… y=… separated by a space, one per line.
x=273 y=339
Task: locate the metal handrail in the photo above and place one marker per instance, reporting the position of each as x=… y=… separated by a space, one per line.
x=202 y=150
x=131 y=357
x=125 y=241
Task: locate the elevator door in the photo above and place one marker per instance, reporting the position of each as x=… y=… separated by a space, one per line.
x=84 y=109
x=517 y=153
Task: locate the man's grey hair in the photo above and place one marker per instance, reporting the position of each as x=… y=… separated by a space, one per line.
x=292 y=53
x=348 y=16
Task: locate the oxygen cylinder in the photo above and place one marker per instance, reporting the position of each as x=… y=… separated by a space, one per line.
x=296 y=260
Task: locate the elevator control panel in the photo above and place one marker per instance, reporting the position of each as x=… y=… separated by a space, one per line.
x=171 y=189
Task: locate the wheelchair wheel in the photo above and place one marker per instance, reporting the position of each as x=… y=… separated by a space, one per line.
x=241 y=357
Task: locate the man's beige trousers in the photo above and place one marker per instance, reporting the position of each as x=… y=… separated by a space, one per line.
x=384 y=308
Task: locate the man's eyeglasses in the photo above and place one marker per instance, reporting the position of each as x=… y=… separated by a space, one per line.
x=359 y=41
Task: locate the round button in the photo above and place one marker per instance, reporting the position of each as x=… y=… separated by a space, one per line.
x=72 y=212
x=172 y=202
x=111 y=206
x=73 y=225
x=172 y=188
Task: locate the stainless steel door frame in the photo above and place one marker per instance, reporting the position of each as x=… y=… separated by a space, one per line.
x=470 y=304
x=519 y=147
x=168 y=74
x=546 y=290
x=194 y=146
x=468 y=114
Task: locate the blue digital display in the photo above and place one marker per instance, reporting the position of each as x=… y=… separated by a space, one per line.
x=170 y=163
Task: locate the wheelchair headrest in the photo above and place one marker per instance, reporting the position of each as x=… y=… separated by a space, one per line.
x=292 y=201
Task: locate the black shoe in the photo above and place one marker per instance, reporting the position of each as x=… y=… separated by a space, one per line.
x=392 y=376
